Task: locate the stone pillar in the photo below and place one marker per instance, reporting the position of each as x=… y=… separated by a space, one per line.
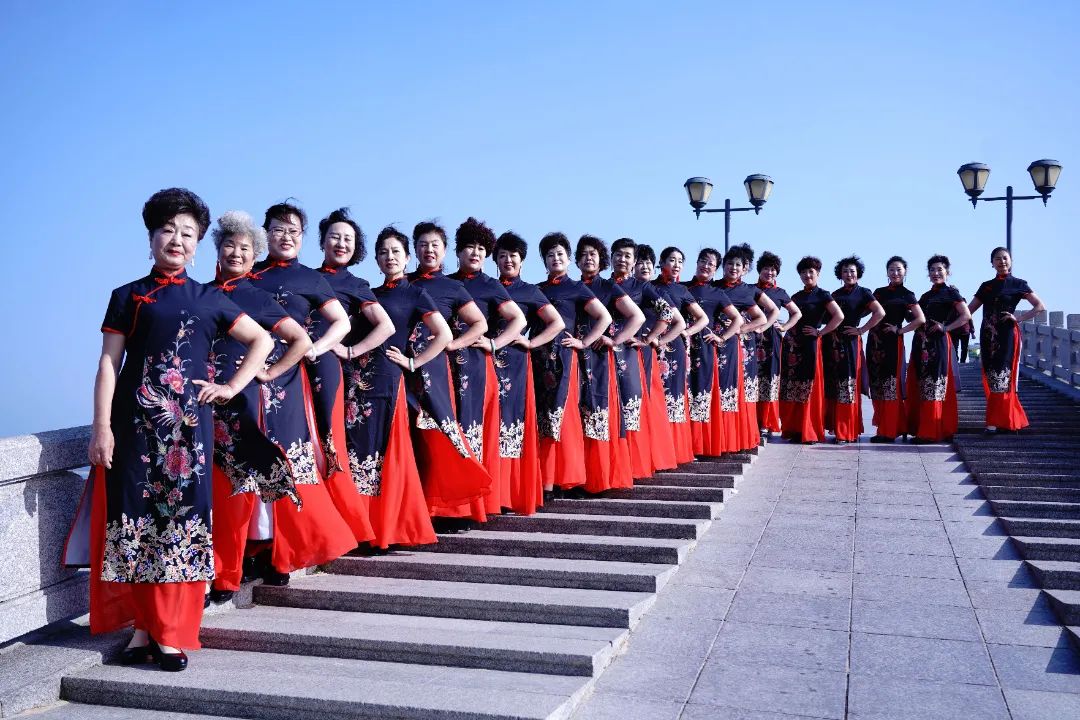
x=1072 y=321
x=1040 y=317
x=1057 y=318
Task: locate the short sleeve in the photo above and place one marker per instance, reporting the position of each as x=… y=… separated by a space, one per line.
x=119 y=313
x=499 y=293
x=985 y=292
x=461 y=296
x=1022 y=287
x=537 y=299
x=617 y=292
x=909 y=298
x=722 y=299
x=363 y=292
x=425 y=304
x=225 y=312
x=584 y=294
x=320 y=292
x=782 y=298
x=269 y=313
x=952 y=294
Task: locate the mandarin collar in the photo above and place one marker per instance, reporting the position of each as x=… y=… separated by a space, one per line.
x=162 y=277
x=766 y=285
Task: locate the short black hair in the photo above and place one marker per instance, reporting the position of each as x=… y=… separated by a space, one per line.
x=997 y=249
x=860 y=266
x=474 y=232
x=511 y=242
x=896 y=258
x=281 y=212
x=645 y=252
x=166 y=204
x=809 y=262
x=943 y=259
x=591 y=241
x=709 y=251
x=392 y=233
x=551 y=240
x=428 y=226
x=666 y=253
x=769 y=259
x=341 y=215
x=622 y=244
x=743 y=252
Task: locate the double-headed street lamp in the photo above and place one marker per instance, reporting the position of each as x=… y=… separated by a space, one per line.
x=758 y=188
x=1044 y=175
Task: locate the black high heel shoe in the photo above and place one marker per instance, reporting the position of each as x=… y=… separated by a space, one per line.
x=169 y=662
x=135 y=655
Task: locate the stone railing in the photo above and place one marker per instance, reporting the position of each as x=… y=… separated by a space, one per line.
x=41 y=481
x=1052 y=346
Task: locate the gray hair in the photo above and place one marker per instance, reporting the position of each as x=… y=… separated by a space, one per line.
x=238 y=222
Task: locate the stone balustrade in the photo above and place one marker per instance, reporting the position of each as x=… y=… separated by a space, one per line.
x=1051 y=346
x=41 y=480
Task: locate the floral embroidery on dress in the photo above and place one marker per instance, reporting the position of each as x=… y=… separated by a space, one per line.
x=511 y=439
x=243 y=477
x=729 y=399
x=424 y=421
x=845 y=391
x=631 y=413
x=796 y=391
x=452 y=430
x=700 y=406
x=999 y=381
x=750 y=389
x=768 y=388
x=551 y=423
x=301 y=455
x=474 y=435
x=367 y=473
x=933 y=389
x=883 y=388
x=595 y=423
x=136 y=550
x=676 y=408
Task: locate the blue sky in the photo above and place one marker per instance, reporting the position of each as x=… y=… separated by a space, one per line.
x=535 y=116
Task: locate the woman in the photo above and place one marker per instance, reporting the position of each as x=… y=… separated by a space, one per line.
x=143 y=525
x=607 y=451
x=562 y=440
x=714 y=364
x=644 y=417
x=644 y=262
x=248 y=466
x=479 y=395
x=801 y=396
x=757 y=311
x=519 y=438
x=842 y=353
x=443 y=442
x=314 y=536
x=999 y=341
x=673 y=359
x=931 y=383
x=769 y=344
x=885 y=352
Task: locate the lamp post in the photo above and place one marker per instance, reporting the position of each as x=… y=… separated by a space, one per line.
x=758 y=187
x=1044 y=176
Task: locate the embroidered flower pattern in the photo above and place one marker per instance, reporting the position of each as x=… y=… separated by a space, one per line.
x=511 y=439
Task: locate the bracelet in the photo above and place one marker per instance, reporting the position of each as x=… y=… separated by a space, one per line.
x=412 y=365
x=349 y=351
x=493 y=346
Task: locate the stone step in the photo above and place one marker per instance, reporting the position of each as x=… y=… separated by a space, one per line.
x=1074 y=635
x=1033 y=480
x=1035 y=548
x=472 y=601
x=1036 y=509
x=572 y=546
x=270 y=686
x=1066 y=604
x=636 y=507
x=689 y=480
x=669 y=492
x=508 y=570
x=1055 y=575
x=721 y=467
x=1035 y=494
x=517 y=647
x=612 y=525
x=743 y=456
x=1041 y=527
x=64 y=710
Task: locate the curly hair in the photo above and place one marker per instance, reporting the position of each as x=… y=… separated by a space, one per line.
x=807 y=263
x=743 y=252
x=238 y=222
x=860 y=266
x=166 y=204
x=896 y=258
x=428 y=226
x=281 y=212
x=391 y=233
x=553 y=239
x=666 y=253
x=710 y=251
x=943 y=259
x=511 y=242
x=591 y=241
x=769 y=259
x=341 y=215
x=474 y=232
x=644 y=253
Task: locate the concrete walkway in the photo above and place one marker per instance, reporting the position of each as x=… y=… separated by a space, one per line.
x=864 y=581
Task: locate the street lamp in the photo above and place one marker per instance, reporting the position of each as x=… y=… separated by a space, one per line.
x=758 y=188
x=1044 y=176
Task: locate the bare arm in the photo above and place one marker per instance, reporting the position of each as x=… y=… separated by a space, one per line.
x=440 y=340
x=298 y=346
x=916 y=321
x=339 y=328
x=382 y=328
x=554 y=326
x=876 y=314
x=758 y=319
x=794 y=315
x=102 y=442
x=732 y=330
x=836 y=317
x=770 y=310
x=963 y=317
x=700 y=319
x=596 y=309
x=634 y=320
x=259 y=346
x=470 y=315
x=974 y=305
x=510 y=312
x=1036 y=308
x=675 y=327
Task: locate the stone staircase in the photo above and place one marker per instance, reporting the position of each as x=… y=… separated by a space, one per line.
x=1032 y=482
x=516 y=620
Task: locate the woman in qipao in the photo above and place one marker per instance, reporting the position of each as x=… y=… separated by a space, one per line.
x=480 y=395
x=842 y=352
x=714 y=364
x=558 y=368
x=519 y=438
x=802 y=400
x=999 y=341
x=248 y=466
x=455 y=480
x=143 y=525
x=770 y=340
x=885 y=352
x=932 y=414
x=673 y=359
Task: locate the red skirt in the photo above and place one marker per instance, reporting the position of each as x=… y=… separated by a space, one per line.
x=890 y=416
x=641 y=453
x=806 y=419
x=310 y=535
x=523 y=473
x=660 y=437
x=768 y=415
x=928 y=419
x=231 y=516
x=562 y=461
x=845 y=419
x=1003 y=410
x=170 y=612
x=499 y=497
x=607 y=462
x=399 y=513
x=749 y=434
x=351 y=505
